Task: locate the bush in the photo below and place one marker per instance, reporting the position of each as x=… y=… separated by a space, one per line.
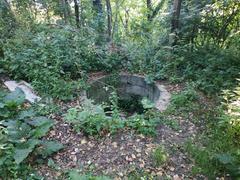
x=141 y=125
x=92 y=120
x=210 y=67
x=218 y=154
x=21 y=131
x=55 y=60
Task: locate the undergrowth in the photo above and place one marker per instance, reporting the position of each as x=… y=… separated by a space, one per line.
x=92 y=120
x=216 y=151
x=21 y=142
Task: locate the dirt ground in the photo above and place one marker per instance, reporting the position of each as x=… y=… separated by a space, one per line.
x=120 y=154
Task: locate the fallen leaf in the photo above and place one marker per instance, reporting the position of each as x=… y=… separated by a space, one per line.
x=83 y=141
x=176 y=177
x=114 y=144
x=172 y=168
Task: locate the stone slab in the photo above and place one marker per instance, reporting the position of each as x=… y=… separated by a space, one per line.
x=25 y=87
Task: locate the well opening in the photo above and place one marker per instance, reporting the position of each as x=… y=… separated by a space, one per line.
x=131 y=89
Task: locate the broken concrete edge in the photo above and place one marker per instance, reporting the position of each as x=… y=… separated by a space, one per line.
x=25 y=87
x=164 y=98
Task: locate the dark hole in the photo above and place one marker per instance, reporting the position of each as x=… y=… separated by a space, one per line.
x=131 y=105
x=127 y=106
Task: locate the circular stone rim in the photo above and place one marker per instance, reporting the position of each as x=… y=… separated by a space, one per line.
x=161 y=103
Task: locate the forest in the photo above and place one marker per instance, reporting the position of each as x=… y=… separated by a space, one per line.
x=119 y=89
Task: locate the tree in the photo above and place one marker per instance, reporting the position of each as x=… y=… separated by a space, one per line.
x=176 y=15
x=77 y=16
x=98 y=13
x=97 y=6
x=64 y=9
x=8 y=23
x=149 y=9
x=109 y=18
x=152 y=12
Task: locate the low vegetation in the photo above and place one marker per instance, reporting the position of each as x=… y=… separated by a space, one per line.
x=193 y=47
x=21 y=140
x=92 y=120
x=159 y=156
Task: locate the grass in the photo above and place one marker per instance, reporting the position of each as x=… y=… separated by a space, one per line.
x=159 y=156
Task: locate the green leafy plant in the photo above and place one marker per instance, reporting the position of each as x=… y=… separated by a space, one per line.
x=147 y=104
x=184 y=102
x=218 y=152
x=91 y=119
x=46 y=106
x=75 y=175
x=142 y=125
x=159 y=156
x=21 y=131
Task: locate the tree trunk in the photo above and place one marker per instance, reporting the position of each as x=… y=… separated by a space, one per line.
x=64 y=10
x=77 y=16
x=153 y=12
x=126 y=20
x=176 y=15
x=149 y=9
x=82 y=19
x=115 y=24
x=97 y=7
x=109 y=18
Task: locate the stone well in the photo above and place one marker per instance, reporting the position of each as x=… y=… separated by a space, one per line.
x=126 y=85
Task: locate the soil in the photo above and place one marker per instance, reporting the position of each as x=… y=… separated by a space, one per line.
x=120 y=154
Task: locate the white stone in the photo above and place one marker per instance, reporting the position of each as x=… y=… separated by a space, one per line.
x=25 y=87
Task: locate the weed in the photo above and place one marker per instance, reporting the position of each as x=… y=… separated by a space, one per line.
x=75 y=175
x=47 y=107
x=92 y=120
x=139 y=174
x=142 y=125
x=159 y=156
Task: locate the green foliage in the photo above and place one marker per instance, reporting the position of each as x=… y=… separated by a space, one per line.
x=147 y=104
x=211 y=68
x=74 y=175
x=215 y=161
x=159 y=156
x=54 y=60
x=43 y=59
x=232 y=118
x=46 y=108
x=21 y=130
x=184 y=100
x=142 y=125
x=218 y=153
x=10 y=103
x=7 y=23
x=202 y=159
x=114 y=104
x=92 y=120
x=140 y=174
